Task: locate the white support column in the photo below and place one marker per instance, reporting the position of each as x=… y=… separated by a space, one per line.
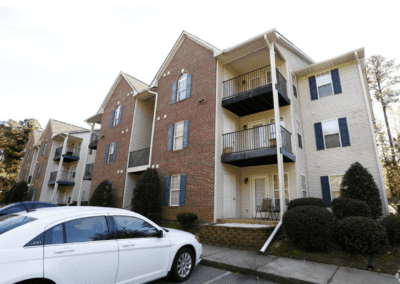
x=59 y=169
x=277 y=130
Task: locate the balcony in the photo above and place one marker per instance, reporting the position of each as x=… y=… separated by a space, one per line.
x=93 y=140
x=256 y=147
x=88 y=172
x=252 y=92
x=67 y=178
x=52 y=179
x=71 y=154
x=139 y=158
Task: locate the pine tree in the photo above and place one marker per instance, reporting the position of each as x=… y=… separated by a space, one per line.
x=103 y=195
x=147 y=193
x=19 y=192
x=359 y=184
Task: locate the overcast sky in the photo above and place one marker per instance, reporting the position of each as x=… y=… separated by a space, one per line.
x=60 y=62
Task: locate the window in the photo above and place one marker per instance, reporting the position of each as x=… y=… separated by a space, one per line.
x=294 y=81
x=38 y=171
x=299 y=138
x=44 y=149
x=14 y=209
x=178 y=136
x=55 y=235
x=175 y=189
x=182 y=84
x=273 y=130
x=116 y=115
x=86 y=229
x=110 y=153
x=12 y=221
x=303 y=185
x=28 y=155
x=276 y=189
x=331 y=133
x=335 y=182
x=131 y=227
x=90 y=151
x=29 y=180
x=324 y=84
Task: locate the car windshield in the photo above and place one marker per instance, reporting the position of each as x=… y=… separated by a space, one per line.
x=13 y=221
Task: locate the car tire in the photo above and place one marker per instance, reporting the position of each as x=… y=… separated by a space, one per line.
x=183 y=264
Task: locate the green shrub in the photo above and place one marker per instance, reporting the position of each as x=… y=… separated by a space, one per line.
x=155 y=217
x=147 y=195
x=343 y=207
x=392 y=226
x=361 y=235
x=307 y=201
x=19 y=192
x=359 y=184
x=103 y=195
x=309 y=227
x=187 y=220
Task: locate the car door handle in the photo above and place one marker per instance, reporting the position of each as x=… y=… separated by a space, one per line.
x=64 y=250
x=128 y=245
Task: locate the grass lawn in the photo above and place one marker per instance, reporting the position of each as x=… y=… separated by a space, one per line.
x=388 y=262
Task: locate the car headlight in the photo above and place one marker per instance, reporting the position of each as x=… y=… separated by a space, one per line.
x=197 y=239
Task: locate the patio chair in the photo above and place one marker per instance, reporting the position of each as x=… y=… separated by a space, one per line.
x=264 y=207
x=275 y=211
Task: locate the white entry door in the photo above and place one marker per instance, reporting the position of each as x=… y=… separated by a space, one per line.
x=259 y=189
x=229 y=142
x=229 y=196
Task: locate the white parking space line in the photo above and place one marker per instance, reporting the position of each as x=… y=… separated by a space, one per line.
x=217 y=278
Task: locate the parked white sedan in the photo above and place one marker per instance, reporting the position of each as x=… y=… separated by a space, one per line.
x=92 y=245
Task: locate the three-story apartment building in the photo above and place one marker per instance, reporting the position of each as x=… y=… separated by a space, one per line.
x=207 y=122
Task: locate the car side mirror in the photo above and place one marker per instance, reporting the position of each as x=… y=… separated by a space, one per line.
x=159 y=234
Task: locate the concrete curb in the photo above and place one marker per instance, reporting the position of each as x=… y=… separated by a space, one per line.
x=251 y=272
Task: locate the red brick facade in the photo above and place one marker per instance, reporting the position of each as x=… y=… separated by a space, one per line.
x=103 y=171
x=42 y=160
x=197 y=160
x=25 y=165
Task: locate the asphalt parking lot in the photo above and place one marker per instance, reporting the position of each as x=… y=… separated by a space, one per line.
x=207 y=275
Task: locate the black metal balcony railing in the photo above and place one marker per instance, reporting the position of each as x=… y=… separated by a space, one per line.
x=71 y=154
x=68 y=177
x=139 y=158
x=88 y=172
x=52 y=179
x=94 y=140
x=255 y=138
x=281 y=82
x=58 y=152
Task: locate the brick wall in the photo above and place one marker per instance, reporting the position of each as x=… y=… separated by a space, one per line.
x=103 y=171
x=197 y=160
x=26 y=165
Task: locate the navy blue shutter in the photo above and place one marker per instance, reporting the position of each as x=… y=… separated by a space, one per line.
x=33 y=195
x=182 y=191
x=189 y=86
x=39 y=171
x=313 y=88
x=120 y=115
x=344 y=132
x=319 y=136
x=106 y=154
x=326 y=192
x=170 y=137
x=294 y=91
x=45 y=148
x=166 y=190
x=337 y=88
x=112 y=118
x=174 y=90
x=110 y=182
x=186 y=133
x=115 y=152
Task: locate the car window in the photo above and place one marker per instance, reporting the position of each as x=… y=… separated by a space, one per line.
x=13 y=221
x=37 y=241
x=55 y=235
x=14 y=209
x=42 y=205
x=86 y=229
x=131 y=227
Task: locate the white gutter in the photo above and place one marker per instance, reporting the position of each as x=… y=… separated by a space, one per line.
x=154 y=125
x=265 y=246
x=216 y=144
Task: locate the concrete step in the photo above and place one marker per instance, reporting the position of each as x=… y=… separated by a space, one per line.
x=248 y=221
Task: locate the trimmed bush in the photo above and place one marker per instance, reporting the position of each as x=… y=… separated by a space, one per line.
x=361 y=235
x=147 y=195
x=155 y=217
x=359 y=184
x=309 y=227
x=392 y=226
x=187 y=220
x=307 y=201
x=103 y=195
x=343 y=207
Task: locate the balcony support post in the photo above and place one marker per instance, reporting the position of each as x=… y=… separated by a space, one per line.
x=64 y=150
x=277 y=131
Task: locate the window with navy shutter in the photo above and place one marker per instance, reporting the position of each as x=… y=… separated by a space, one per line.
x=28 y=155
x=337 y=88
x=332 y=133
x=186 y=133
x=112 y=119
x=326 y=192
x=115 y=152
x=319 y=136
x=313 y=88
x=44 y=149
x=38 y=171
x=182 y=88
x=325 y=84
x=166 y=191
x=120 y=114
x=294 y=82
x=344 y=132
x=182 y=192
x=23 y=175
x=106 y=154
x=170 y=137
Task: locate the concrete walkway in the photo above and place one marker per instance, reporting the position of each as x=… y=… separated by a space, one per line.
x=286 y=270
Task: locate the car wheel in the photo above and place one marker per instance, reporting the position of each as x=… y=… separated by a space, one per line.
x=183 y=264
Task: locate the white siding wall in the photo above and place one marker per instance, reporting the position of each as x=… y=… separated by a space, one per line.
x=142 y=125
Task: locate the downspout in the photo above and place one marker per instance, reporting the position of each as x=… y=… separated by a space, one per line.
x=154 y=125
x=265 y=246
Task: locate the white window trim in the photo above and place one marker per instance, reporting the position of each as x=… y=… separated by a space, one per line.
x=305 y=179
x=253 y=190
x=273 y=187
x=330 y=186
x=110 y=152
x=170 y=190
x=301 y=134
x=295 y=82
x=177 y=87
x=316 y=83
x=323 y=134
x=116 y=115
x=175 y=136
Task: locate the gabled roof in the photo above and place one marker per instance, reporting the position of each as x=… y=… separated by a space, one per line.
x=58 y=127
x=36 y=136
x=176 y=46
